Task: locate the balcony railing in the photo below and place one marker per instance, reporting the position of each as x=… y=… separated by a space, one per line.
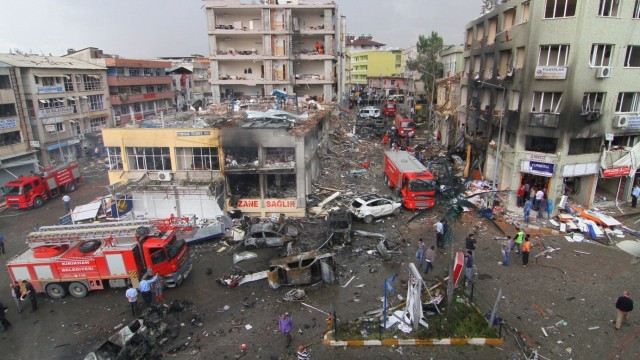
x=549 y=120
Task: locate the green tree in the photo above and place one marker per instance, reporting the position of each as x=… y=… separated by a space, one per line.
x=426 y=63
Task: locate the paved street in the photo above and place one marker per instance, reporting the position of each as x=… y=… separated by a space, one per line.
x=579 y=289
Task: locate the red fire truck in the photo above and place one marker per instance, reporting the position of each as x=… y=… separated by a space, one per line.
x=410 y=179
x=404 y=125
x=76 y=259
x=31 y=191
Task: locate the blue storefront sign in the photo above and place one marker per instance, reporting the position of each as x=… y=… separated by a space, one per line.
x=541 y=168
x=8 y=123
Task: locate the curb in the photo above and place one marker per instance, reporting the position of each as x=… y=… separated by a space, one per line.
x=406 y=342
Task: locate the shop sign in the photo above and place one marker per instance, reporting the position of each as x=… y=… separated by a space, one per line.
x=268 y=203
x=50 y=89
x=571 y=170
x=551 y=72
x=65 y=110
x=616 y=171
x=633 y=122
x=537 y=168
x=193 y=133
x=8 y=123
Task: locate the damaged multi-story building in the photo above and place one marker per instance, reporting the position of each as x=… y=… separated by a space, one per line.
x=544 y=84
x=259 y=166
x=256 y=46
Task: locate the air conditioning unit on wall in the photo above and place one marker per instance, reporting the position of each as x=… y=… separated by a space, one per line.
x=604 y=72
x=165 y=176
x=620 y=121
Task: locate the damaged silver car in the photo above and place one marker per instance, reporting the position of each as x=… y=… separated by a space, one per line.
x=266 y=235
x=304 y=269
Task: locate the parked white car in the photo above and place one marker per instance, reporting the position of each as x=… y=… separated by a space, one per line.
x=373 y=206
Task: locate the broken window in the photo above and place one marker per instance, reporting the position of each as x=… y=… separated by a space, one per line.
x=553 y=55
x=134 y=72
x=5 y=83
x=608 y=8
x=541 y=144
x=600 y=55
x=10 y=138
x=469 y=39
x=514 y=103
x=280 y=157
x=280 y=186
x=239 y=157
x=509 y=19
x=548 y=102
x=52 y=103
x=92 y=82
x=493 y=28
x=560 y=9
x=584 y=146
x=526 y=11
x=504 y=67
x=55 y=128
x=68 y=83
x=7 y=110
x=150 y=158
x=628 y=102
x=114 y=155
x=98 y=123
x=632 y=58
x=95 y=102
x=198 y=158
x=520 y=58
x=592 y=102
x=488 y=66
x=244 y=186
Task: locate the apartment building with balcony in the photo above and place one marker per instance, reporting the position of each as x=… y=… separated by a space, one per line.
x=17 y=156
x=192 y=89
x=138 y=89
x=548 y=81
x=381 y=71
x=258 y=46
x=62 y=100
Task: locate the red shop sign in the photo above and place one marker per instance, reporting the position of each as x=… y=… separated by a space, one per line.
x=616 y=171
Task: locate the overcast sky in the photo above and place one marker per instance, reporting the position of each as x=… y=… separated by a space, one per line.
x=154 y=28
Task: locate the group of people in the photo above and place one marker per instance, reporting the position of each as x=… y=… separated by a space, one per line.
x=147 y=287
x=522 y=243
x=427 y=254
x=19 y=291
x=533 y=198
x=397 y=142
x=285 y=325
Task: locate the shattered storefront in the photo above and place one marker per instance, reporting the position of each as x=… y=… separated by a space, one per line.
x=268 y=168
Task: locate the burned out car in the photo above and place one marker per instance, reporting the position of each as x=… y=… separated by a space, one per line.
x=373 y=206
x=268 y=235
x=303 y=269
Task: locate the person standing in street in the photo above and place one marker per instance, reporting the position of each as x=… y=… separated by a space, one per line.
x=520 y=195
x=31 y=293
x=506 y=249
x=440 y=234
x=420 y=252
x=2 y=251
x=539 y=197
x=517 y=242
x=526 y=248
x=67 y=202
x=527 y=210
x=285 y=324
x=145 y=289
x=624 y=306
x=158 y=287
x=429 y=257
x=4 y=323
x=526 y=188
x=303 y=353
x=132 y=297
x=542 y=208
x=15 y=295
x=470 y=242
x=469 y=264
x=634 y=195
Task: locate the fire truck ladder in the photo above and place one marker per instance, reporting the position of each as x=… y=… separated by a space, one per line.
x=65 y=234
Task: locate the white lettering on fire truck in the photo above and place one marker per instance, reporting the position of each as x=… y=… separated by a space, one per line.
x=78 y=268
x=71 y=263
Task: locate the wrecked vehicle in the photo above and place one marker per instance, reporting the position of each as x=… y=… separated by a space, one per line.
x=266 y=235
x=373 y=206
x=303 y=269
x=340 y=225
x=370 y=112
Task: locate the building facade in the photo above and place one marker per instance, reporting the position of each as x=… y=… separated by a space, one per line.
x=362 y=43
x=259 y=46
x=138 y=89
x=196 y=90
x=17 y=155
x=207 y=171
x=66 y=102
x=381 y=65
x=546 y=82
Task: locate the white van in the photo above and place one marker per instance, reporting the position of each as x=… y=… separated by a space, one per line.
x=370 y=112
